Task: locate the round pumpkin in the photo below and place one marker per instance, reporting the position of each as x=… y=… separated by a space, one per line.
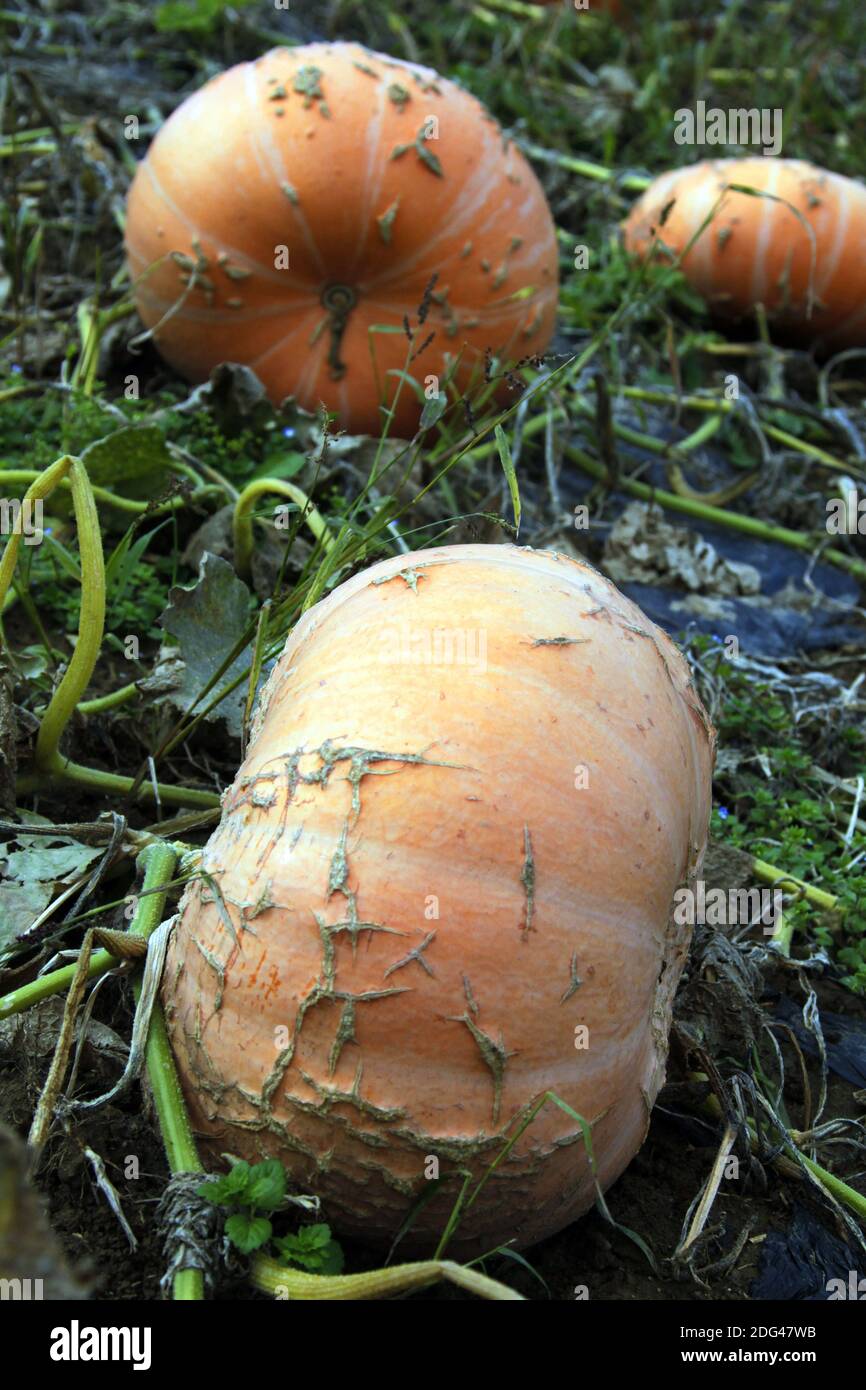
x=298 y=203
x=441 y=886
x=798 y=251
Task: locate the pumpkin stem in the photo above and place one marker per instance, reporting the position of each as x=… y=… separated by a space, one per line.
x=339 y=300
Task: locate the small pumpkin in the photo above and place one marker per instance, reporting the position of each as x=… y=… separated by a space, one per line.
x=299 y=202
x=799 y=251
x=441 y=886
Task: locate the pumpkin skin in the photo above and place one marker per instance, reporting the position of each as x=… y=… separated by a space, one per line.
x=758 y=251
x=252 y=163
x=348 y=1029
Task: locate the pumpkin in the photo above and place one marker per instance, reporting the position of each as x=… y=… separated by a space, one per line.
x=441 y=886
x=799 y=251
x=298 y=202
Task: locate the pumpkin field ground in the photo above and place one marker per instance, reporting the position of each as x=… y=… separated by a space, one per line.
x=624 y=453
x=650 y=1199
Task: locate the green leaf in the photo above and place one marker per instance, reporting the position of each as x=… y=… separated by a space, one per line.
x=434 y=409
x=228 y=1190
x=46 y=864
x=133 y=460
x=267 y=1185
x=410 y=381
x=515 y=1255
x=125 y=557
x=192 y=15
x=280 y=466
x=312 y=1249
x=237 y=1179
x=508 y=469
x=32 y=869
x=314 y=1237
x=32 y=662
x=20 y=905
x=209 y=619
x=31 y=255
x=248 y=1232
x=64 y=557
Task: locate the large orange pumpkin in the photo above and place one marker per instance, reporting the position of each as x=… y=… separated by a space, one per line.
x=296 y=202
x=441 y=886
x=806 y=263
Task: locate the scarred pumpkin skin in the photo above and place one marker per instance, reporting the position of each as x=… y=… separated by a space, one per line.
x=321 y=150
x=429 y=898
x=757 y=250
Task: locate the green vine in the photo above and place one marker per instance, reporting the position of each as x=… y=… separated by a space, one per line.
x=50 y=763
x=243 y=519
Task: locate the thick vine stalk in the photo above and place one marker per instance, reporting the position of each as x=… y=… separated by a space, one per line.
x=292 y=1284
x=159 y=862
